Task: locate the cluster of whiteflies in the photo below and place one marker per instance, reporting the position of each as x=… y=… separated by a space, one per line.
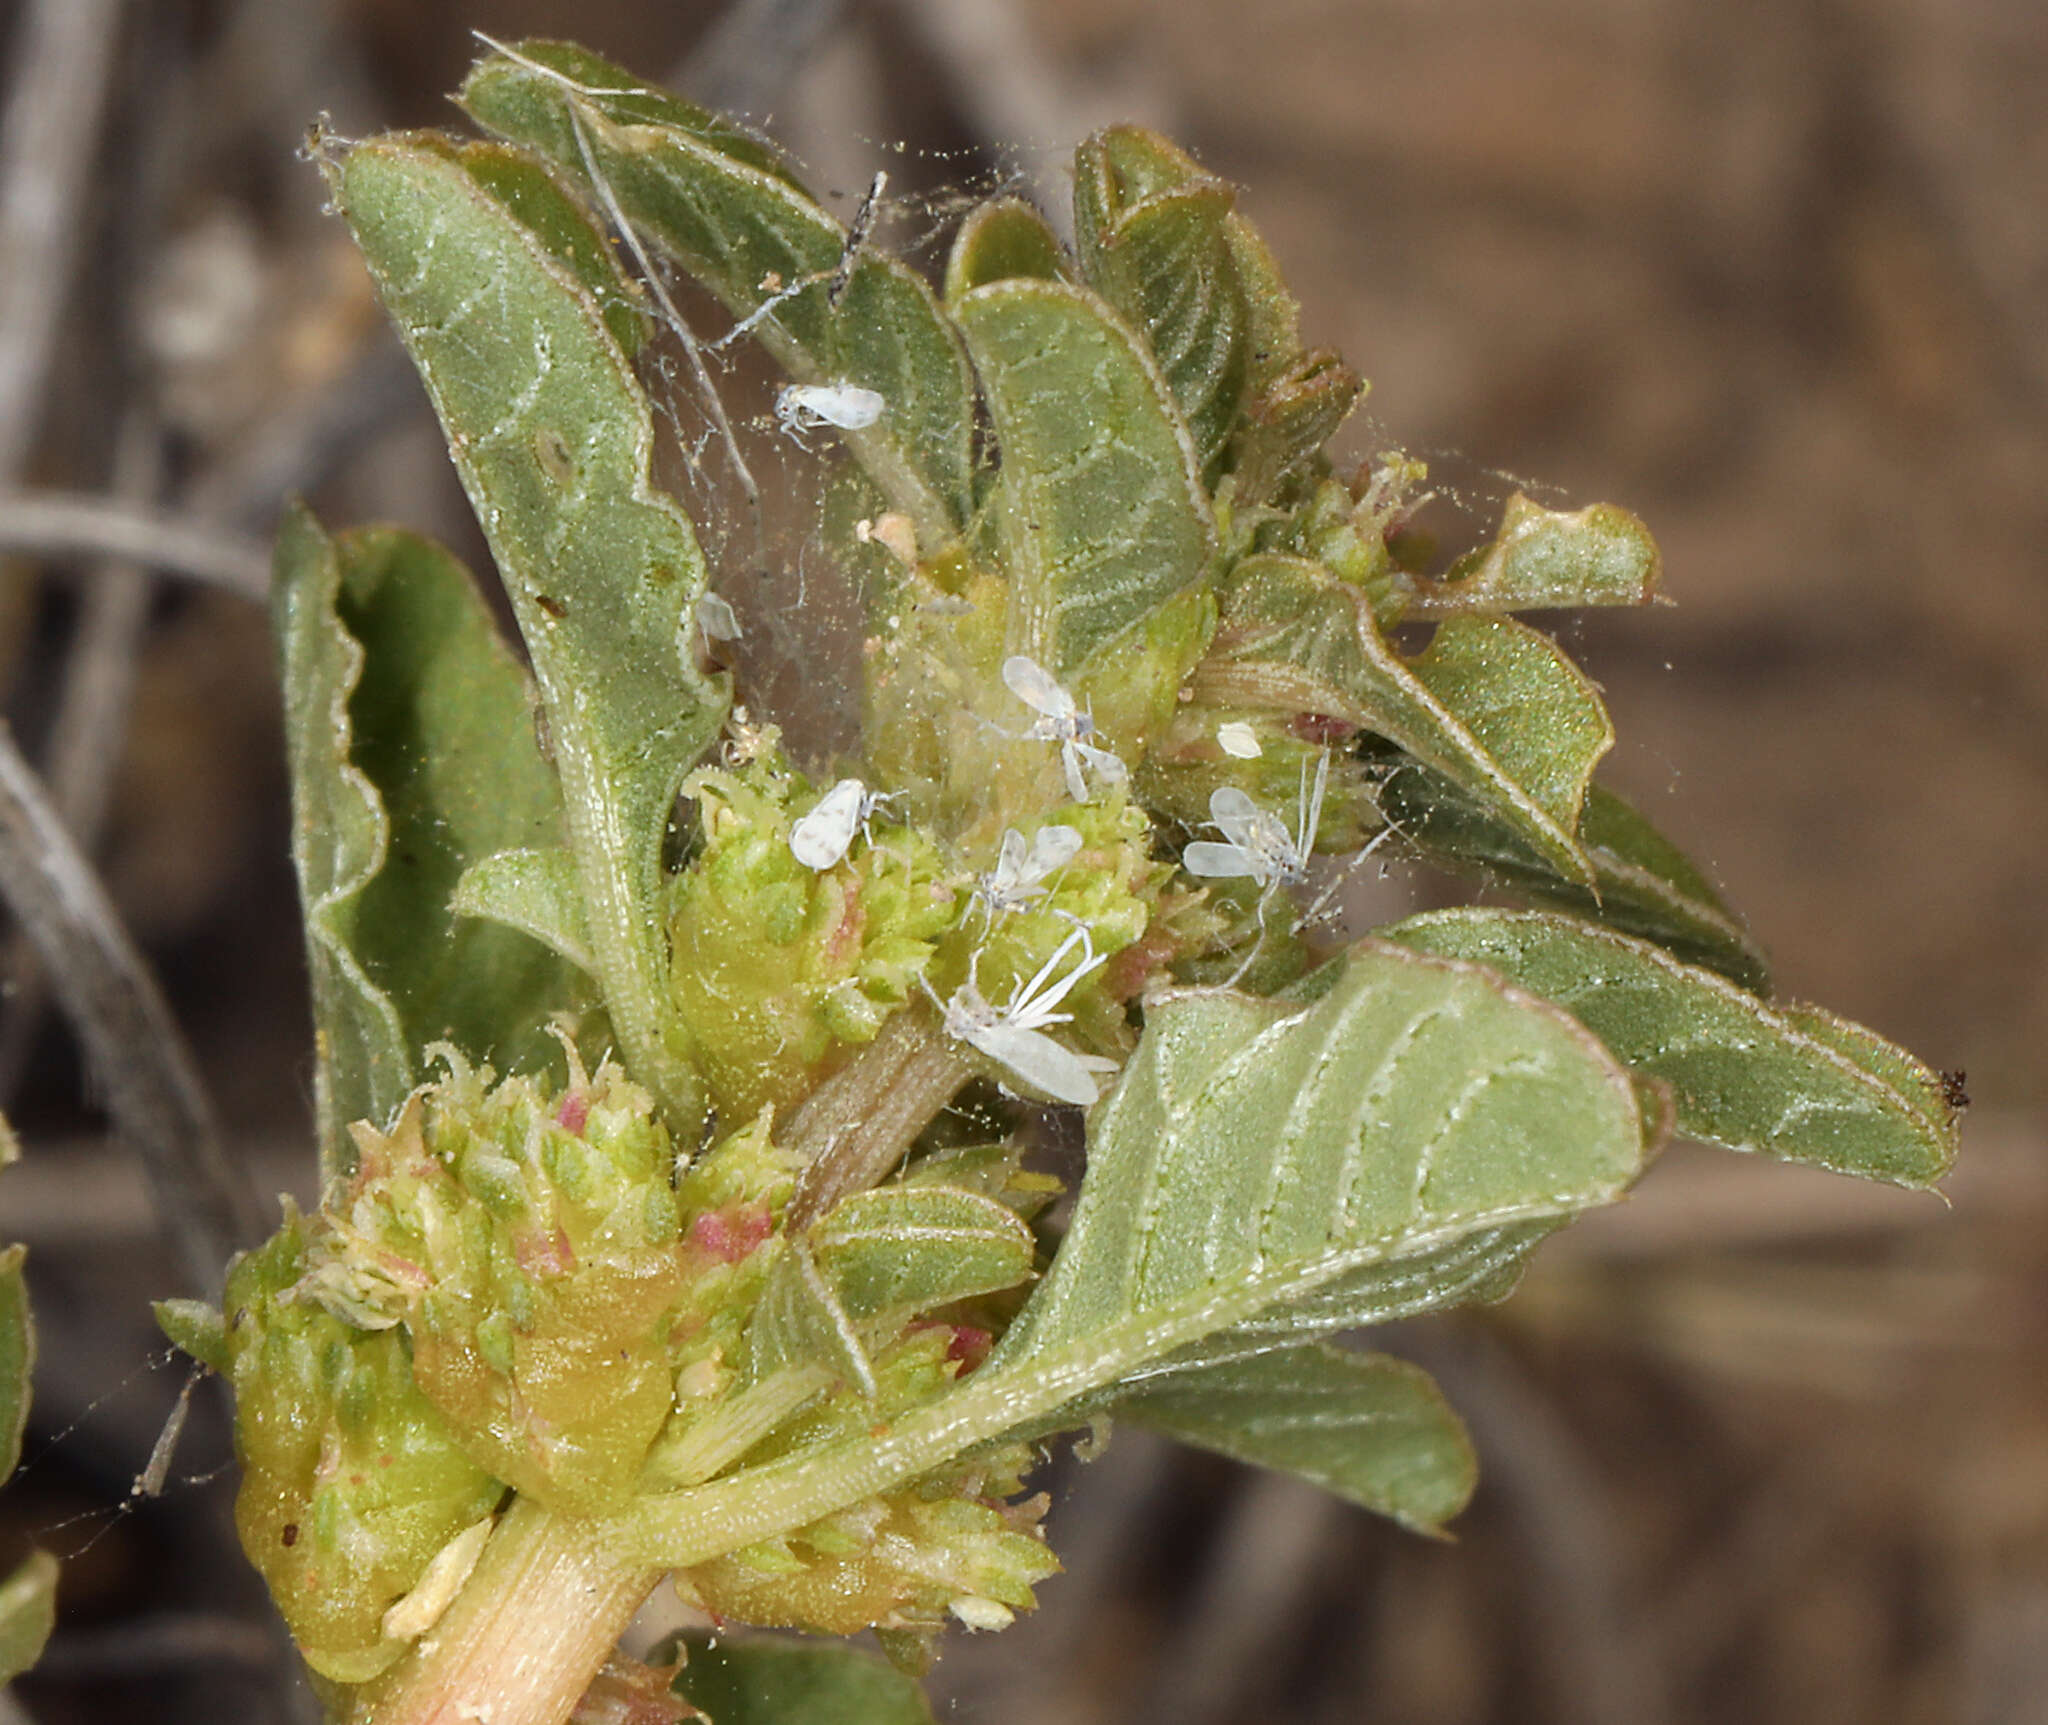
x=535 y=1289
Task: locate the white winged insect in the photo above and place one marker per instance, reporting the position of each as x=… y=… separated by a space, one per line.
x=1061 y=720
x=802 y=407
x=1258 y=844
x=1239 y=739
x=1014 y=1036
x=1021 y=872
x=824 y=835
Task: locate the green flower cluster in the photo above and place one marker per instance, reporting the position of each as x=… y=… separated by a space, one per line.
x=521 y=1287
x=777 y=965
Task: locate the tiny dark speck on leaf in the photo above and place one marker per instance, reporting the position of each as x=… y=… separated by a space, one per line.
x=1952 y=1091
x=551 y=605
x=660 y=574
x=291 y=1533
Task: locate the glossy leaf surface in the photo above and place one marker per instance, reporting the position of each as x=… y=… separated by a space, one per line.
x=1744 y=1074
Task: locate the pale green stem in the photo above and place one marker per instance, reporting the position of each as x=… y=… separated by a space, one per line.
x=529 y=1630
x=619 y=886
x=856 y=1126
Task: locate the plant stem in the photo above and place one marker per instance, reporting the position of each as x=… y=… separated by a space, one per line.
x=546 y=1606
x=857 y=1125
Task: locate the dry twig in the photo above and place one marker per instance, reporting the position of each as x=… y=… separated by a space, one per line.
x=70 y=524
x=151 y=1087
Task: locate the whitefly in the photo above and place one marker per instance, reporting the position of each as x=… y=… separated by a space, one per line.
x=1062 y=720
x=1023 y=868
x=1256 y=843
x=823 y=836
x=1014 y=1035
x=802 y=407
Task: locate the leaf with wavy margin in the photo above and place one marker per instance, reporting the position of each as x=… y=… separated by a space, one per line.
x=1372 y=1429
x=728 y=210
x=1790 y=1082
x=1261 y=1166
x=1104 y=519
x=1295 y=639
x=552 y=437
x=1598 y=555
x=1152 y=231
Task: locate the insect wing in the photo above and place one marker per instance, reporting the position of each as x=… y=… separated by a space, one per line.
x=1109 y=767
x=1240 y=740
x=850 y=407
x=1043 y=1064
x=1052 y=848
x=1236 y=816
x=821 y=838
x=1204 y=857
x=1032 y=684
x=1012 y=870
x=716 y=618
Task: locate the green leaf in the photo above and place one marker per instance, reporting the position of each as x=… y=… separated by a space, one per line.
x=1253 y=1154
x=1262 y=1173
x=800 y=1325
x=1372 y=1429
x=903 y=1249
x=760 y=1682
x=1790 y=1083
x=537 y=891
x=1296 y=398
x=1104 y=518
x=362 y=1065
x=1152 y=230
x=1295 y=639
x=196 y=1330
x=1527 y=705
x=1643 y=884
x=999 y=240
x=28 y=1612
x=731 y=214
x=1599 y=555
x=536 y=197
x=17 y=1356
x=552 y=437
x=1283 y=425
x=442 y=723
x=410 y=727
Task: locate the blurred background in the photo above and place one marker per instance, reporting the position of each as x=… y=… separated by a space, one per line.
x=1757 y=1445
